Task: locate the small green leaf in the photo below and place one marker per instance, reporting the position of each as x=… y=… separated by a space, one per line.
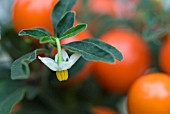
x=110 y=49
x=91 y=51
x=65 y=23
x=74 y=31
x=47 y=39
x=59 y=11
x=11 y=93
x=35 y=33
x=20 y=68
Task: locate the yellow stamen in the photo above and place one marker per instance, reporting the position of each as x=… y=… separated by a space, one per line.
x=62 y=75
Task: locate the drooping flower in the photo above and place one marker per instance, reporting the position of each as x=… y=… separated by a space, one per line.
x=62 y=67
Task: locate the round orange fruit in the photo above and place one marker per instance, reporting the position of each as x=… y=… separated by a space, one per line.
x=28 y=14
x=150 y=94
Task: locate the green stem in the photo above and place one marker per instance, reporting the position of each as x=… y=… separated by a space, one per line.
x=60 y=58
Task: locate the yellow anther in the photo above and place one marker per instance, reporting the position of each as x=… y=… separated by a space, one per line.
x=62 y=75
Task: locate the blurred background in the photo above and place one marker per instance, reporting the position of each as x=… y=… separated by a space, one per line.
x=138 y=28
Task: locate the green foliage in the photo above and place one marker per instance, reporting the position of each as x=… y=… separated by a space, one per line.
x=20 y=68
x=65 y=23
x=11 y=93
x=47 y=39
x=35 y=33
x=74 y=31
x=59 y=11
x=50 y=39
x=92 y=50
x=110 y=49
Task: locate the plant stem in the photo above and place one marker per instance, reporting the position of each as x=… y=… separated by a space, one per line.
x=60 y=58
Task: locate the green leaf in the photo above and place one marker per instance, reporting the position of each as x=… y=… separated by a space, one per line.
x=90 y=50
x=110 y=49
x=35 y=33
x=11 y=93
x=47 y=39
x=65 y=23
x=20 y=68
x=59 y=11
x=74 y=31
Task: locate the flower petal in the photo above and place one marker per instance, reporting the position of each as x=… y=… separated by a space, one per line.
x=50 y=63
x=65 y=55
x=74 y=57
x=70 y=63
x=56 y=57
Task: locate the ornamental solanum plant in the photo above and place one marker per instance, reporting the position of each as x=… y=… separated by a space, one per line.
x=68 y=54
x=45 y=53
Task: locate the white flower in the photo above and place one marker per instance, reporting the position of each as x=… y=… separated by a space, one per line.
x=62 y=68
